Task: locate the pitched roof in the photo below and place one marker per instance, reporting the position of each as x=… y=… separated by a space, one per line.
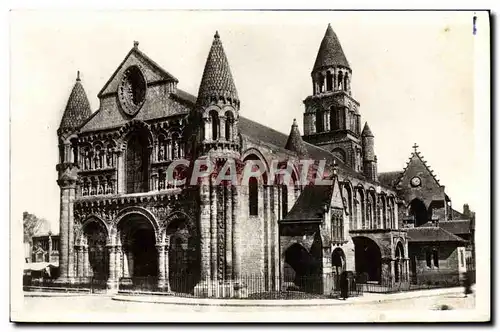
x=366 y=131
x=431 y=234
x=457 y=215
x=310 y=205
x=77 y=109
x=330 y=52
x=416 y=156
x=389 y=179
x=217 y=79
x=455 y=226
x=135 y=50
x=295 y=142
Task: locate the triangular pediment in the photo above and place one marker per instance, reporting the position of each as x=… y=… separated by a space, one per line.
x=418 y=168
x=336 y=199
x=162 y=99
x=152 y=72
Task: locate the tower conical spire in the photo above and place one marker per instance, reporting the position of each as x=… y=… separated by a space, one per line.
x=295 y=142
x=77 y=109
x=366 y=131
x=217 y=80
x=330 y=52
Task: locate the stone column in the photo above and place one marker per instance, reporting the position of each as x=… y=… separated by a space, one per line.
x=205 y=229
x=267 y=239
x=126 y=253
x=120 y=166
x=327 y=120
x=324 y=81
x=161 y=265
x=50 y=246
x=213 y=229
x=119 y=265
x=387 y=271
x=167 y=265
x=236 y=255
x=111 y=284
x=66 y=253
x=229 y=230
x=222 y=127
x=80 y=262
x=130 y=258
x=275 y=236
x=85 y=261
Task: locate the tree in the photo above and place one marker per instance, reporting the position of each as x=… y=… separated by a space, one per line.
x=31 y=224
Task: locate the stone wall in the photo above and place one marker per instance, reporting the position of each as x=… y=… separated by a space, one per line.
x=447 y=271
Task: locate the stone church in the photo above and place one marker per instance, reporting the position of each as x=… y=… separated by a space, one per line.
x=122 y=219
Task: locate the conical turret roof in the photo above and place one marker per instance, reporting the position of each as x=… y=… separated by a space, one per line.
x=295 y=142
x=77 y=109
x=366 y=131
x=217 y=79
x=330 y=52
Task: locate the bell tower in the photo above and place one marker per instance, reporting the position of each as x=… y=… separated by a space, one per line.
x=331 y=118
x=76 y=112
x=216 y=138
x=217 y=108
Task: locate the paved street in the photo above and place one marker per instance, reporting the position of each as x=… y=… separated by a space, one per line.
x=90 y=307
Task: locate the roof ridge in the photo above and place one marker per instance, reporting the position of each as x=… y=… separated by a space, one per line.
x=135 y=50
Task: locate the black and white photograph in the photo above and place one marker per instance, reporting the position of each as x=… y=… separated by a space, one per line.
x=250 y=166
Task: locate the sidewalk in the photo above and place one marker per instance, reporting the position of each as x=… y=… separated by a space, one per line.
x=366 y=298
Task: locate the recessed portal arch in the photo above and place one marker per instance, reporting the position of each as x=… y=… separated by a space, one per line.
x=368 y=258
x=419 y=211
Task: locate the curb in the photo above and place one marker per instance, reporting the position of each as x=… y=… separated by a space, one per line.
x=372 y=298
x=56 y=294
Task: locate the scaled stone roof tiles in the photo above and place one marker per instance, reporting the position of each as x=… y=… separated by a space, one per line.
x=330 y=52
x=295 y=142
x=217 y=79
x=367 y=131
x=77 y=109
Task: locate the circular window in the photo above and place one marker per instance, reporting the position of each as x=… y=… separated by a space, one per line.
x=415 y=181
x=132 y=90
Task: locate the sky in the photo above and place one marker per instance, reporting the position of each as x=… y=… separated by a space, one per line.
x=413 y=74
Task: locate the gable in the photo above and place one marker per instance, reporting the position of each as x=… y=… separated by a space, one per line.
x=152 y=72
x=429 y=188
x=337 y=201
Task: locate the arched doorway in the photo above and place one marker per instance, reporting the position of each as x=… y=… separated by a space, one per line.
x=302 y=268
x=96 y=234
x=398 y=264
x=368 y=259
x=338 y=261
x=183 y=257
x=139 y=259
x=419 y=211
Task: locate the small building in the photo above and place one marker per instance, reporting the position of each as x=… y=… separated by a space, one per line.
x=440 y=239
x=437 y=257
x=45 y=248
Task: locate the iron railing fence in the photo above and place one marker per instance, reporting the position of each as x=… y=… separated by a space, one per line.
x=79 y=284
x=388 y=285
x=247 y=286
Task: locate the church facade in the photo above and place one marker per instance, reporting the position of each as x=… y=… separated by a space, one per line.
x=125 y=215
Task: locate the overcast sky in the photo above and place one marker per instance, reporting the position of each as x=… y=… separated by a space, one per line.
x=412 y=74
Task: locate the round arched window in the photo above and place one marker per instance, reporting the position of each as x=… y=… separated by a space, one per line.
x=132 y=90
